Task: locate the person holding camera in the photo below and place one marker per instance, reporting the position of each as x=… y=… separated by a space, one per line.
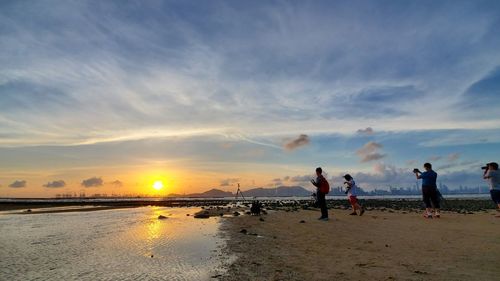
x=352 y=193
x=322 y=188
x=492 y=175
x=430 y=192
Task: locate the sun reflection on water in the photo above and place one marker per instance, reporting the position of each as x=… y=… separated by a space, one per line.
x=154 y=225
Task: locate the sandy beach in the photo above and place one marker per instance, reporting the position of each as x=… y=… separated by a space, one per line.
x=380 y=245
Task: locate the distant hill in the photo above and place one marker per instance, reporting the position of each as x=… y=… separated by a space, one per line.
x=255 y=192
x=212 y=193
x=279 y=191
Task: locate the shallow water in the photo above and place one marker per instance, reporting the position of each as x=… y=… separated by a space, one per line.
x=109 y=245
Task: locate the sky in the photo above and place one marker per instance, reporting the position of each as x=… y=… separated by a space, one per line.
x=111 y=96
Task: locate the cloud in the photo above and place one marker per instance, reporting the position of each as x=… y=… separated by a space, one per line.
x=367 y=131
x=175 y=58
x=471 y=164
x=384 y=175
x=411 y=162
x=116 y=183
x=275 y=182
x=302 y=179
x=369 y=152
x=92 y=182
x=302 y=140
x=435 y=158
x=18 y=184
x=229 y=182
x=55 y=184
x=483 y=93
x=453 y=157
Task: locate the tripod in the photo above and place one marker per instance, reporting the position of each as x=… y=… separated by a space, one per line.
x=238 y=191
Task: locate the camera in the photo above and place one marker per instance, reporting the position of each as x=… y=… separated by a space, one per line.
x=347 y=187
x=416 y=170
x=484 y=167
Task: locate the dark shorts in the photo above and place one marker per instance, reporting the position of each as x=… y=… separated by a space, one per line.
x=495 y=196
x=430 y=196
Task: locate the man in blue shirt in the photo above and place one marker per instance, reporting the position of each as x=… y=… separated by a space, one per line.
x=430 y=193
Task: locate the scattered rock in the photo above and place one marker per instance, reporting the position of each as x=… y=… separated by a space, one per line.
x=202 y=215
x=236 y=214
x=187 y=215
x=28 y=211
x=152 y=255
x=261 y=219
x=387 y=245
x=244 y=231
x=420 y=272
x=161 y=217
x=302 y=221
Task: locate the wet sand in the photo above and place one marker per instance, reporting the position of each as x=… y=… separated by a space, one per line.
x=120 y=244
x=380 y=245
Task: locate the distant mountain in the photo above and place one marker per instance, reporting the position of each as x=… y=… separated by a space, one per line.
x=212 y=193
x=282 y=191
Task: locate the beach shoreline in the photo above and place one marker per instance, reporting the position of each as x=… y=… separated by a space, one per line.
x=408 y=205
x=380 y=245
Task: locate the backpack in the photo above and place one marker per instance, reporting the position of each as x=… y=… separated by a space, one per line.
x=324 y=186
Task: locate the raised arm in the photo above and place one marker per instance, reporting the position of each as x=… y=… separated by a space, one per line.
x=316 y=184
x=486 y=174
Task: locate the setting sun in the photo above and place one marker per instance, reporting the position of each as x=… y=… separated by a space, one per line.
x=158 y=185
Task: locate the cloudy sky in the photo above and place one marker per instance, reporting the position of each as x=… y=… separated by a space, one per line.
x=103 y=96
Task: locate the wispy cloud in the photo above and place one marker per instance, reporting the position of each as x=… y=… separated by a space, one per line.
x=118 y=65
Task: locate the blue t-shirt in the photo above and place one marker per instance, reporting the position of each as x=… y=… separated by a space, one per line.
x=429 y=178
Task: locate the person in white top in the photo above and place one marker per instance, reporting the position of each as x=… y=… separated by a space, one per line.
x=352 y=193
x=492 y=175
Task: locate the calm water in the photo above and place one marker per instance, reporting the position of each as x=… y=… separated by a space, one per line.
x=110 y=245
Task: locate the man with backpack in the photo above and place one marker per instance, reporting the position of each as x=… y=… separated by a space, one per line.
x=322 y=188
